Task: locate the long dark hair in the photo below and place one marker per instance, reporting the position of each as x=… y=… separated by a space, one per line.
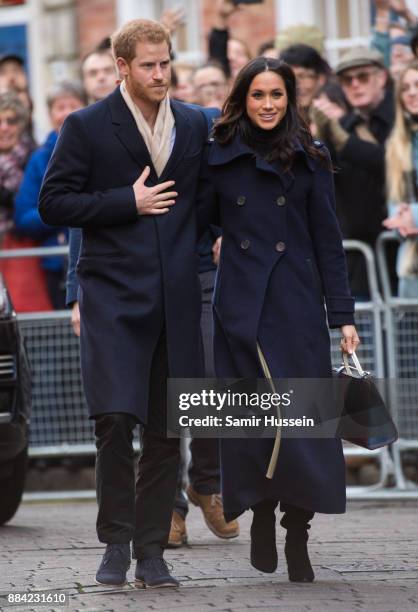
x=234 y=119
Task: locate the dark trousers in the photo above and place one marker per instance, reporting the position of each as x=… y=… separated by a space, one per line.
x=203 y=472
x=141 y=513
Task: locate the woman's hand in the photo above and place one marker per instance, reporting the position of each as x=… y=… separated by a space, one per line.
x=350 y=339
x=403 y=221
x=75 y=319
x=216 y=250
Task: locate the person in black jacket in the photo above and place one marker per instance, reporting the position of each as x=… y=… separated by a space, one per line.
x=311 y=71
x=357 y=141
x=113 y=173
x=203 y=471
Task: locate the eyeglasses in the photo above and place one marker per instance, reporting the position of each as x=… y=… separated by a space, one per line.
x=9 y=121
x=362 y=77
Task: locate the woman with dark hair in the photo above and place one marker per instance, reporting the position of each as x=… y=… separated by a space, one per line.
x=281 y=257
x=311 y=71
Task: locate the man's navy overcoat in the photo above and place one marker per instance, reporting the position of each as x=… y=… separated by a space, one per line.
x=137 y=274
x=281 y=258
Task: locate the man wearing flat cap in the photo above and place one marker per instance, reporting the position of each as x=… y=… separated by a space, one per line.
x=356 y=139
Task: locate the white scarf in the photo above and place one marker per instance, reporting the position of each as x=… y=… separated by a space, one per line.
x=157 y=142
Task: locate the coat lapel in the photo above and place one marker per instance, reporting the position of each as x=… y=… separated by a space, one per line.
x=181 y=143
x=236 y=148
x=127 y=132
x=220 y=155
x=286 y=178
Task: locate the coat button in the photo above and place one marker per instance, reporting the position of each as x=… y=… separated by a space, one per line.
x=281 y=201
x=280 y=247
x=245 y=244
x=241 y=200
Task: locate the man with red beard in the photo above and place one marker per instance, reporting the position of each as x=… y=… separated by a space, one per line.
x=125 y=170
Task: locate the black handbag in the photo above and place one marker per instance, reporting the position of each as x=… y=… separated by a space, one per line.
x=364 y=419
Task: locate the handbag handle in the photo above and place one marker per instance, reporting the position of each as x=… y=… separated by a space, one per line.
x=356 y=364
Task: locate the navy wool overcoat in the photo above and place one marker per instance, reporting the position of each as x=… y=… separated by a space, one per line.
x=137 y=274
x=281 y=261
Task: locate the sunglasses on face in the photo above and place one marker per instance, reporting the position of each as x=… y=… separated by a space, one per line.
x=362 y=77
x=9 y=120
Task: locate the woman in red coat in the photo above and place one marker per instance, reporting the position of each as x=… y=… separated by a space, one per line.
x=281 y=262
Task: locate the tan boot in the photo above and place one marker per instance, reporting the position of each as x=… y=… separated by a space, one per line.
x=213 y=513
x=178 y=533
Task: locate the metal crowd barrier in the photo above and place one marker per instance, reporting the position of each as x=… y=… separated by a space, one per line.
x=401 y=335
x=59 y=424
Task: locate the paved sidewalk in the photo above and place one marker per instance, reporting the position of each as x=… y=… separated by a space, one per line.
x=366 y=560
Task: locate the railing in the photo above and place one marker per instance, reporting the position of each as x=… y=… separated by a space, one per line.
x=368 y=319
x=388 y=329
x=401 y=337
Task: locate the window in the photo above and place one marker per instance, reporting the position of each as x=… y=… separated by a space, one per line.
x=14 y=30
x=186 y=41
x=347 y=24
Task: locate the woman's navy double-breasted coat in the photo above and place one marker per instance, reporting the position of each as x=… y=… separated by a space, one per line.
x=281 y=259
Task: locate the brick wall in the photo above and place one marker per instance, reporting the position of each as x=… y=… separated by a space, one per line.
x=254 y=24
x=96 y=19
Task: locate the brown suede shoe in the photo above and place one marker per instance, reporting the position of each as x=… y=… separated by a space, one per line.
x=178 y=533
x=213 y=513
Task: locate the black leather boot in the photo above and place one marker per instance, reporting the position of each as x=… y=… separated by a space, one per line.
x=296 y=550
x=263 y=537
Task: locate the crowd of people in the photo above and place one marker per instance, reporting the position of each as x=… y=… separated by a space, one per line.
x=350 y=108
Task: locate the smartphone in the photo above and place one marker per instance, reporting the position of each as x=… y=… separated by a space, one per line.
x=247 y=1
